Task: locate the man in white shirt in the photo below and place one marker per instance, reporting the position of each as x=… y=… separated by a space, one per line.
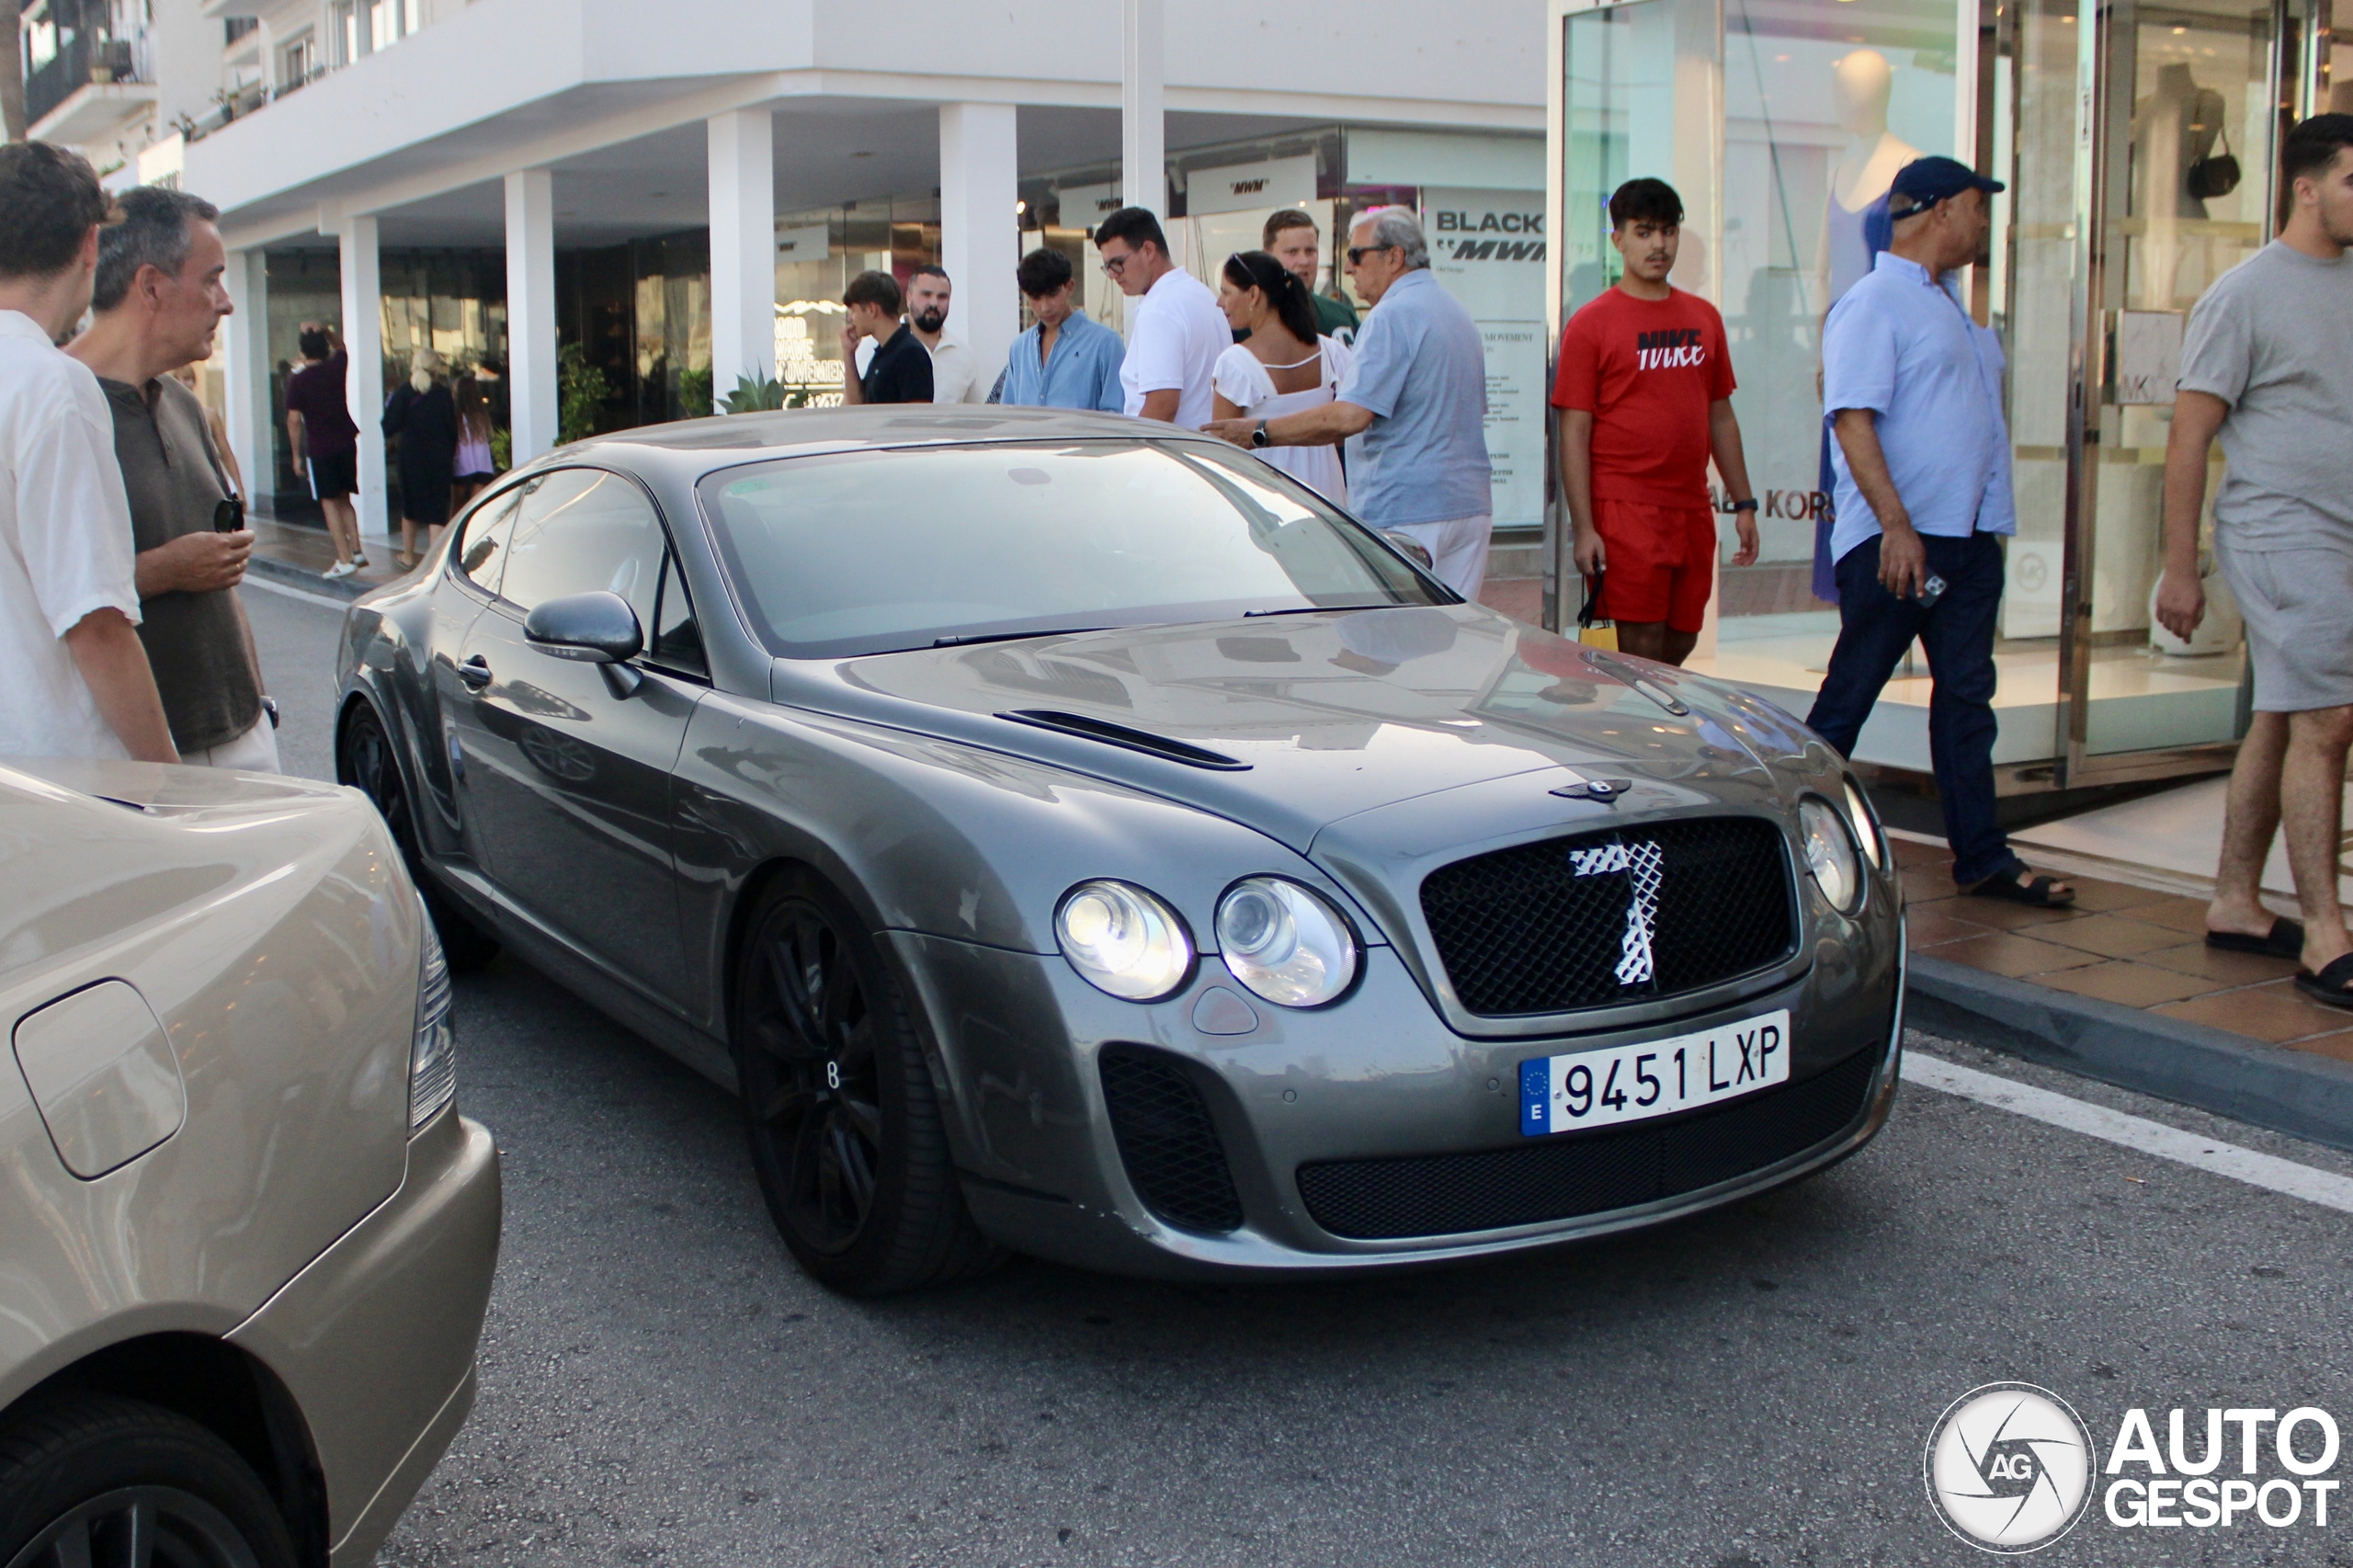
x=955 y=370
x=1175 y=329
x=78 y=684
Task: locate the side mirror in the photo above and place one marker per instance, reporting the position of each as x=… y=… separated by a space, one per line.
x=1409 y=547
x=597 y=628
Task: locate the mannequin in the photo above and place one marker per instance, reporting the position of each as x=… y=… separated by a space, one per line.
x=1860 y=85
x=2174 y=126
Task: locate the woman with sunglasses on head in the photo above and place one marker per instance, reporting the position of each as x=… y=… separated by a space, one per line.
x=1282 y=367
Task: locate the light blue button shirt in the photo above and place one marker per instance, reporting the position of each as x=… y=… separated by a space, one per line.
x=1900 y=343
x=1082 y=370
x=1421 y=369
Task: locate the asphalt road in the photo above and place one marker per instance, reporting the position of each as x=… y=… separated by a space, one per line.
x=1753 y=1388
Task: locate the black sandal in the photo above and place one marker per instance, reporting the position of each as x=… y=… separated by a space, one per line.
x=2284 y=940
x=2035 y=894
x=2333 y=986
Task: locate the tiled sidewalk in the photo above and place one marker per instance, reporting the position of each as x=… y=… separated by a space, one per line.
x=2122 y=944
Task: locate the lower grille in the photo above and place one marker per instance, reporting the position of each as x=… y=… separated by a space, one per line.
x=1439 y=1195
x=1167 y=1142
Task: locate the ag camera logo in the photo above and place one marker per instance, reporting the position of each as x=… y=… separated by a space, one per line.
x=2009 y=1467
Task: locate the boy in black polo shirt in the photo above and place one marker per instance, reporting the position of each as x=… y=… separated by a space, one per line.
x=901 y=368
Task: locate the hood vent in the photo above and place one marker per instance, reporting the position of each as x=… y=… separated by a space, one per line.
x=1112 y=734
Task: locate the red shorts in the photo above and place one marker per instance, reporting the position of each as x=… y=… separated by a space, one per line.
x=1661 y=562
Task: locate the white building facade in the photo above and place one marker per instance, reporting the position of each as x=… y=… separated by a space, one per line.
x=611 y=211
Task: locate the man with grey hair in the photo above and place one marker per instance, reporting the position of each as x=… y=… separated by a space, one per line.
x=1413 y=408
x=158 y=301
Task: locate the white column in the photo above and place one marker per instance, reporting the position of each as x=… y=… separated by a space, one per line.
x=742 y=249
x=1144 y=140
x=250 y=412
x=363 y=339
x=980 y=232
x=530 y=312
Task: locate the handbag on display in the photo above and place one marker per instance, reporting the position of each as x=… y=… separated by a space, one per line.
x=2217 y=174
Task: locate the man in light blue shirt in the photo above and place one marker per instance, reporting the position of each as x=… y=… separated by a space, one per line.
x=1413 y=408
x=1066 y=360
x=1912 y=391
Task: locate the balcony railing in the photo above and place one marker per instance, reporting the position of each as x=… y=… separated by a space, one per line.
x=86 y=57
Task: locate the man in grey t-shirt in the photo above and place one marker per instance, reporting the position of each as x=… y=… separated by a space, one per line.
x=2269 y=364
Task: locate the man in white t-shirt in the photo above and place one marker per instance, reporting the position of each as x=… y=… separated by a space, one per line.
x=1175 y=329
x=78 y=682
x=955 y=370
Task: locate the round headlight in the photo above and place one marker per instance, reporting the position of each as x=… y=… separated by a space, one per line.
x=1123 y=941
x=1858 y=810
x=1830 y=855
x=1285 y=943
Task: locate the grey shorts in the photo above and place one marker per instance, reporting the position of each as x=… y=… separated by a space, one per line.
x=2299 y=610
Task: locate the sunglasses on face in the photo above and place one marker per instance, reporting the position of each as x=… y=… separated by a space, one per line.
x=1115 y=264
x=1358 y=252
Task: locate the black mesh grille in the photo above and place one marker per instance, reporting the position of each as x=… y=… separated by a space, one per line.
x=1524 y=930
x=1168 y=1142
x=1592 y=1173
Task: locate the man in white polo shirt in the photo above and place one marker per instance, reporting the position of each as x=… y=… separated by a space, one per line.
x=1175 y=329
x=78 y=681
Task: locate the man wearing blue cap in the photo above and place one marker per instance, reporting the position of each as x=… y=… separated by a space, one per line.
x=1912 y=391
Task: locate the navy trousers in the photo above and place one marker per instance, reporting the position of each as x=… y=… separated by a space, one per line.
x=1874 y=629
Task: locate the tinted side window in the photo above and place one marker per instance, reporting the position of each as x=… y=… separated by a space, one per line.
x=677 y=636
x=481 y=555
x=580 y=529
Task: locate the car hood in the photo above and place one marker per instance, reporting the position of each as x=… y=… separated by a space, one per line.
x=1329 y=714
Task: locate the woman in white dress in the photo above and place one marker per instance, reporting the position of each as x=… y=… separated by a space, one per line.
x=1281 y=368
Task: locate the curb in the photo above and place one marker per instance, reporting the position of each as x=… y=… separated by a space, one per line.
x=303 y=577
x=2293 y=1092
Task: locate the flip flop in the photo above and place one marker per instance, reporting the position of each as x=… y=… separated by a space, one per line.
x=2035 y=894
x=2333 y=986
x=2284 y=940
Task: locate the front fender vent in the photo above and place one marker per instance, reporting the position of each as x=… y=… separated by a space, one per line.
x=1168 y=1142
x=1111 y=734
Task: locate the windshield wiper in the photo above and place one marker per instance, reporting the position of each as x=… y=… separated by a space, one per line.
x=1012 y=636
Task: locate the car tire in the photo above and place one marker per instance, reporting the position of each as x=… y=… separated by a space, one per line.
x=847 y=1132
x=80 y=1474
x=365 y=758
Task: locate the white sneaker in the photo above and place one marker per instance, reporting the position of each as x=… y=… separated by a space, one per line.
x=357 y=561
x=340 y=569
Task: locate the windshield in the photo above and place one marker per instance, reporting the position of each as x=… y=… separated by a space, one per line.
x=870 y=552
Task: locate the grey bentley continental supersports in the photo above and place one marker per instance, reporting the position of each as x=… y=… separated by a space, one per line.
x=1068 y=835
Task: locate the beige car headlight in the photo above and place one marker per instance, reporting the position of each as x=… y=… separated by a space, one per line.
x=433 y=1053
x=1123 y=941
x=1285 y=943
x=1830 y=854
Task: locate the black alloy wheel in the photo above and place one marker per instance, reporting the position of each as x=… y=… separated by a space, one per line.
x=846 y=1130
x=364 y=757
x=97 y=1481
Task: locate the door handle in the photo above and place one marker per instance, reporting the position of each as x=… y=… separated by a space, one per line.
x=475 y=672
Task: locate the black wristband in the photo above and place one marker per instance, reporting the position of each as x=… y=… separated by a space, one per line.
x=1747 y=505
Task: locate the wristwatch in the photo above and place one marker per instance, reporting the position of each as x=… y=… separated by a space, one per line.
x=1747 y=505
x=1258 y=438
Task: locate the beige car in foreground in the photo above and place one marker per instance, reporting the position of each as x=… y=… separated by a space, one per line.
x=245 y=1238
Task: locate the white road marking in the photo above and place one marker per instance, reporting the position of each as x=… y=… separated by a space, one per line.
x=2314 y=1186
x=254 y=580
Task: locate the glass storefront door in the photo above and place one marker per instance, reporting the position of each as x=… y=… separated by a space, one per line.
x=2184 y=94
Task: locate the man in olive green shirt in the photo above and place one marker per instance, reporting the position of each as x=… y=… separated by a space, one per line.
x=1291 y=238
x=157 y=301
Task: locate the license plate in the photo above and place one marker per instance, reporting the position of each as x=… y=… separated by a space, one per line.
x=1656 y=1077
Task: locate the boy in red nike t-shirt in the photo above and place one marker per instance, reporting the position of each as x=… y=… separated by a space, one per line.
x=1644 y=391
